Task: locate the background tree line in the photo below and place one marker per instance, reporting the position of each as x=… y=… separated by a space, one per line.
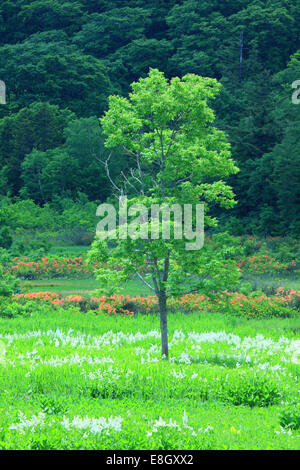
x=61 y=60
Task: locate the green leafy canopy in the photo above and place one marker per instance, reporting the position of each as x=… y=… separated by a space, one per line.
x=174 y=156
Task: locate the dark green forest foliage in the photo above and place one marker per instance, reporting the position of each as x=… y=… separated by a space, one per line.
x=61 y=60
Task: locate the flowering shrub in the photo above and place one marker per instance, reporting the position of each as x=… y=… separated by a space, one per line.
x=236 y=303
x=291 y=297
x=107 y=305
x=283 y=304
x=49 y=267
x=53 y=268
x=77 y=267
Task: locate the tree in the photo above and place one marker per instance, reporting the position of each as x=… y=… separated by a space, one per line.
x=5 y=235
x=38 y=126
x=133 y=60
x=85 y=143
x=283 y=183
x=46 y=67
x=46 y=174
x=104 y=33
x=41 y=15
x=177 y=157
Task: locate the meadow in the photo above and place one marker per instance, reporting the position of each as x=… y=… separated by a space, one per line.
x=80 y=370
x=80 y=381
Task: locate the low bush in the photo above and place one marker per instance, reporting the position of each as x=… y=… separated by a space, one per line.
x=256 y=305
x=290 y=418
x=250 y=391
x=8 y=283
x=12 y=310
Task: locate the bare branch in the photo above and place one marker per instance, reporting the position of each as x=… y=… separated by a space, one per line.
x=105 y=163
x=182 y=180
x=140 y=173
x=145 y=282
x=128 y=182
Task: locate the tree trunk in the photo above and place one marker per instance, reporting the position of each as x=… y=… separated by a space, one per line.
x=162 y=300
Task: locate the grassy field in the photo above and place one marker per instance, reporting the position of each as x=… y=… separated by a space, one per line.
x=71 y=380
x=133 y=288
x=261 y=281
x=79 y=381
x=69 y=250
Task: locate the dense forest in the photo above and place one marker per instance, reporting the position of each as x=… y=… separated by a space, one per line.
x=60 y=60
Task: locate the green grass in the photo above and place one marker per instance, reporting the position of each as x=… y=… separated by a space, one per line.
x=80 y=286
x=70 y=380
x=133 y=288
x=69 y=250
x=263 y=280
x=61 y=286
x=67 y=378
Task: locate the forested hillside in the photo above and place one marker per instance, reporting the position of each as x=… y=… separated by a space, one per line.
x=61 y=60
